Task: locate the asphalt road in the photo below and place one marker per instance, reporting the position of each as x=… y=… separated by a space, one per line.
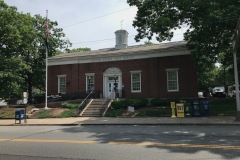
x=118 y=142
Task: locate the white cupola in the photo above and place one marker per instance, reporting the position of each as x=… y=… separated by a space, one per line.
x=121 y=39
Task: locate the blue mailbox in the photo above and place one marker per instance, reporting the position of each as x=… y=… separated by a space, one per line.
x=205 y=104
x=19 y=115
x=196 y=107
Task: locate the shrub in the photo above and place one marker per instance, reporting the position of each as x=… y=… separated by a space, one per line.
x=160 y=102
x=114 y=113
x=163 y=101
x=123 y=103
x=118 y=104
x=138 y=102
x=156 y=102
x=157 y=112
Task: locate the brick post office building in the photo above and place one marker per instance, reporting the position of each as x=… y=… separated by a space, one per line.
x=146 y=71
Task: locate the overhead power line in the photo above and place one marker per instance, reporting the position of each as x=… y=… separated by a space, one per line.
x=104 y=40
x=99 y=41
x=96 y=17
x=109 y=39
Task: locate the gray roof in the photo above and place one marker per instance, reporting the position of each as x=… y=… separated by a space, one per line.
x=181 y=45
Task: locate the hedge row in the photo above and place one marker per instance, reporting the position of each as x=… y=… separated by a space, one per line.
x=124 y=103
x=166 y=101
x=141 y=102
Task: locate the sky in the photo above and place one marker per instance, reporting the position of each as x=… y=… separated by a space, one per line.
x=88 y=23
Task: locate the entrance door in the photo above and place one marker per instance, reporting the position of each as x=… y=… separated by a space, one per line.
x=110 y=89
x=111 y=76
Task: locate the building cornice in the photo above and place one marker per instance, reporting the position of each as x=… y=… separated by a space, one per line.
x=119 y=55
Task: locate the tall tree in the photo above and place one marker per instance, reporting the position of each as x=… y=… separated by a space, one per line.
x=211 y=26
x=22 y=41
x=10 y=40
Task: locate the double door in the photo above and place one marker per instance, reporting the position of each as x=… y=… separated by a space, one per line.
x=112 y=89
x=112 y=86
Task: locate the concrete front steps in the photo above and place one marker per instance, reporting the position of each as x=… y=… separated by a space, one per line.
x=96 y=108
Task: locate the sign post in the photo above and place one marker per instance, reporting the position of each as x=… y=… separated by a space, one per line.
x=25 y=101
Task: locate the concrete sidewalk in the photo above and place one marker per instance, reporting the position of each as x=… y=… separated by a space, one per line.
x=215 y=120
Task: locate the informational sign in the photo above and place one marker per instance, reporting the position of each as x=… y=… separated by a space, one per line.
x=130 y=109
x=25 y=98
x=25 y=95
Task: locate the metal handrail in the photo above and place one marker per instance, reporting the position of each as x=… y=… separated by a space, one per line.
x=85 y=99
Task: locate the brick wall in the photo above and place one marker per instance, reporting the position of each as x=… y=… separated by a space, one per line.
x=153 y=76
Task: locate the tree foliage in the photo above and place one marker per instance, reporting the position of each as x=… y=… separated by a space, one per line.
x=211 y=24
x=22 y=50
x=149 y=43
x=79 y=50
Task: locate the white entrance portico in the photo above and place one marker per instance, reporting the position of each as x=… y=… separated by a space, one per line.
x=112 y=83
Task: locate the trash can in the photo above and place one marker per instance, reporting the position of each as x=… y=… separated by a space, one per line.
x=205 y=107
x=19 y=115
x=196 y=107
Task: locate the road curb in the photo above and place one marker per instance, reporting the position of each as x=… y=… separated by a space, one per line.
x=114 y=124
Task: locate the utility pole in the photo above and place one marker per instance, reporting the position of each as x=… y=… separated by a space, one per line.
x=236 y=38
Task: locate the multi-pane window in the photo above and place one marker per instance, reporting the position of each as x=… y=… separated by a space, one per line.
x=89 y=83
x=172 y=80
x=62 y=84
x=136 y=81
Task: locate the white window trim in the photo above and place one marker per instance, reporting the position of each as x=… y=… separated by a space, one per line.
x=169 y=70
x=140 y=72
x=88 y=75
x=60 y=76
